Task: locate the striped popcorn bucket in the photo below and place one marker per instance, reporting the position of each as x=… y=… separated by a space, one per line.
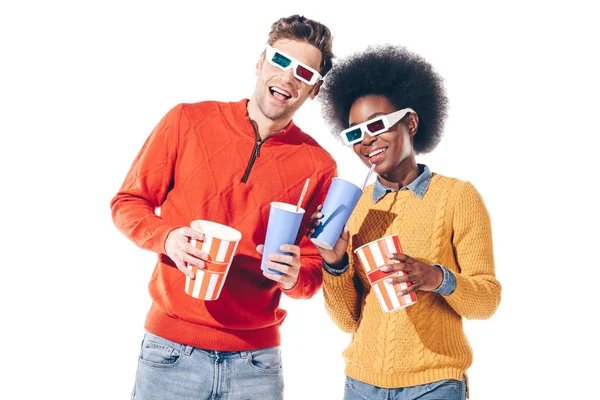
x=220 y=243
x=372 y=258
x=208 y=282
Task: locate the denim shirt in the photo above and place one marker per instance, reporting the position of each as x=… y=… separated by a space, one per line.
x=418 y=187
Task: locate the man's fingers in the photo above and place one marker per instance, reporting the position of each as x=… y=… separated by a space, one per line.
x=285 y=269
x=285 y=282
x=186 y=271
x=188 y=248
x=260 y=248
x=191 y=233
x=281 y=258
x=290 y=248
x=183 y=268
x=193 y=260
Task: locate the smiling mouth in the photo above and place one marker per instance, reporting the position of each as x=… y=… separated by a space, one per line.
x=376 y=152
x=279 y=93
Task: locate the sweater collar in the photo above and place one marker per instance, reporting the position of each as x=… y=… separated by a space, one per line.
x=241 y=119
x=418 y=186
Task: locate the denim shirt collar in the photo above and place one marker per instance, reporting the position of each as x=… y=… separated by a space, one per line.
x=418 y=186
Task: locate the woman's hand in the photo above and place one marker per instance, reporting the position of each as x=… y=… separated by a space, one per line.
x=421 y=276
x=334 y=256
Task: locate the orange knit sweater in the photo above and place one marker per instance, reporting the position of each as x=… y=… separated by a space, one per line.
x=424 y=342
x=191 y=167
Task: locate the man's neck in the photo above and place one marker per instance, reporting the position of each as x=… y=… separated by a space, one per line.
x=266 y=126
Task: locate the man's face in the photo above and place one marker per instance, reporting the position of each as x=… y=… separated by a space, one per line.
x=278 y=93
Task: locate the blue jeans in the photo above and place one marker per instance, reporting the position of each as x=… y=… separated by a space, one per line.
x=169 y=371
x=449 y=389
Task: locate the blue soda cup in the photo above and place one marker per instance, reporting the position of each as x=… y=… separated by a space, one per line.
x=341 y=199
x=282 y=228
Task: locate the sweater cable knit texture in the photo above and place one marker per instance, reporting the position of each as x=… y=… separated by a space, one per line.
x=425 y=342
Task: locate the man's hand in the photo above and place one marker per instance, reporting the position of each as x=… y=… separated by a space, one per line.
x=179 y=249
x=290 y=272
x=422 y=276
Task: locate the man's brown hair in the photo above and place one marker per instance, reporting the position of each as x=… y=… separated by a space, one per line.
x=297 y=27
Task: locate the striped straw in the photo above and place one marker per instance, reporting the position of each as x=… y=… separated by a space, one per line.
x=302 y=195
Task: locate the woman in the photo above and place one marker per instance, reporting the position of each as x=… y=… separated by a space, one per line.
x=389 y=105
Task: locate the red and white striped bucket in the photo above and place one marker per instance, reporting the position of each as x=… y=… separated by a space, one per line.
x=208 y=282
x=220 y=243
x=372 y=257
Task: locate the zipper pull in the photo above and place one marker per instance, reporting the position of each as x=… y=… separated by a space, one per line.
x=257 y=148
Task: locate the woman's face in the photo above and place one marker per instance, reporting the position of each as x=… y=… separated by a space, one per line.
x=389 y=149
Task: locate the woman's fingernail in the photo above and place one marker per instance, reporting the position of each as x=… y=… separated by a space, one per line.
x=385 y=269
x=400 y=294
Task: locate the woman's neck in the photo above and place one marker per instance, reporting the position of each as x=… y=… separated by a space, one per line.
x=406 y=172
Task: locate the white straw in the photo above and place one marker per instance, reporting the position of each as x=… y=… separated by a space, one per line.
x=368 y=176
x=302 y=195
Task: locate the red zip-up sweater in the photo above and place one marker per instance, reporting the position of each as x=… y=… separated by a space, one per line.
x=206 y=161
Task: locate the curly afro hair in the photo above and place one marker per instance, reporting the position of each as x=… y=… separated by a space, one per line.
x=405 y=78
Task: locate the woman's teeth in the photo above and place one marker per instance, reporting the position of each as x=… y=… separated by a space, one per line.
x=374 y=153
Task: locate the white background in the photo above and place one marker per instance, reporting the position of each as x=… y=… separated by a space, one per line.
x=82 y=84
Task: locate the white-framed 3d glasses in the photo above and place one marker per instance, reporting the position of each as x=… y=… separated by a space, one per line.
x=374 y=126
x=284 y=62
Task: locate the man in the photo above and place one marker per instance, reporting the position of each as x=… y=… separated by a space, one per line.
x=225 y=162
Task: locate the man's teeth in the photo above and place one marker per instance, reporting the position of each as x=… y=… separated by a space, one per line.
x=283 y=92
x=376 y=152
x=280 y=91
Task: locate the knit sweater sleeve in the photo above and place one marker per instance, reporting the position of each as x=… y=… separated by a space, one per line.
x=146 y=186
x=477 y=293
x=310 y=278
x=344 y=296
